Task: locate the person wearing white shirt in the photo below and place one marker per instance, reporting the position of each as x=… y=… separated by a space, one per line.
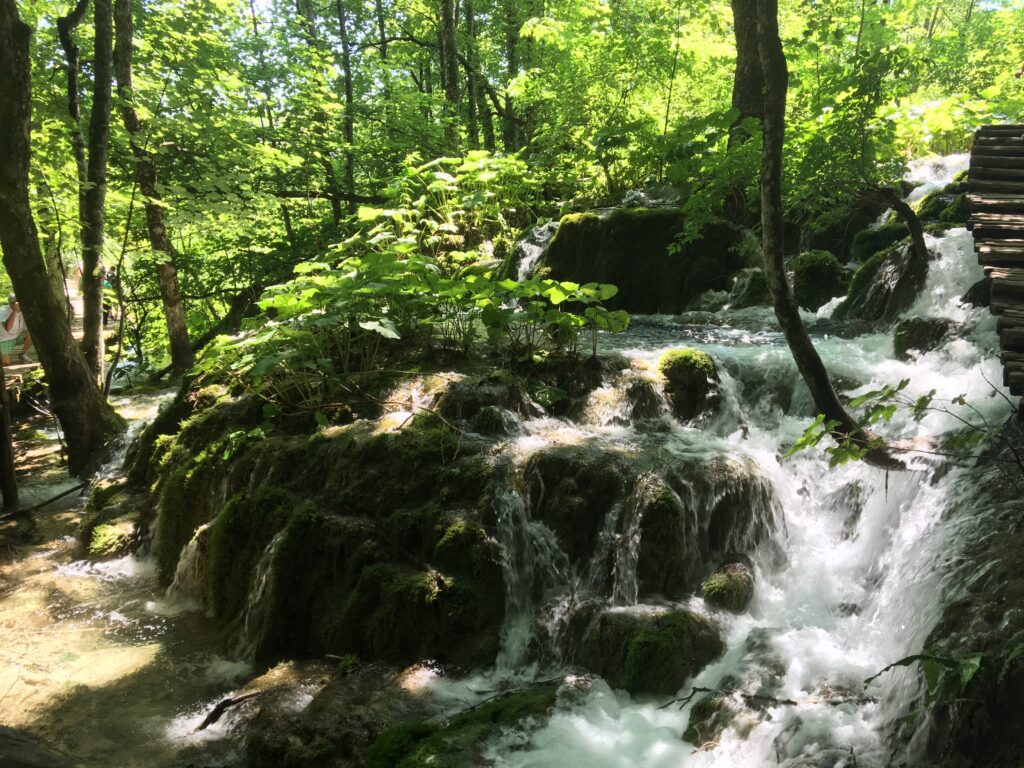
x=13 y=329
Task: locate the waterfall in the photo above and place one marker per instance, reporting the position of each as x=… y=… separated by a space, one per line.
x=256 y=605
x=535 y=569
x=531 y=248
x=188 y=586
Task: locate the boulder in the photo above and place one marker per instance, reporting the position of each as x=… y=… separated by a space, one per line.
x=630 y=248
x=884 y=286
x=817 y=277
x=749 y=289
x=835 y=231
x=919 y=334
x=691 y=382
x=730 y=587
x=979 y=294
x=650 y=652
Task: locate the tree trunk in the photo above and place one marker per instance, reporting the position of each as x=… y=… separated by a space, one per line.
x=382 y=30
x=776 y=78
x=472 y=88
x=348 y=126
x=66 y=26
x=450 y=71
x=182 y=358
x=748 y=86
x=96 y=191
x=891 y=197
x=87 y=419
x=510 y=128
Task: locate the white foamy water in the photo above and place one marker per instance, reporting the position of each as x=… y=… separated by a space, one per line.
x=860 y=583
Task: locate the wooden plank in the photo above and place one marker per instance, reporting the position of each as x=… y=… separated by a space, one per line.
x=1001 y=259
x=993 y=185
x=999 y=218
x=997 y=150
x=991 y=172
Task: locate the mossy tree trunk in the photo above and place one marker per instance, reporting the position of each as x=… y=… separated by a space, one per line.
x=450 y=72
x=87 y=419
x=182 y=357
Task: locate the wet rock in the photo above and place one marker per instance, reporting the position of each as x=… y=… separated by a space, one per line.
x=709 y=301
x=743 y=697
x=629 y=247
x=19 y=750
x=572 y=490
x=497 y=421
x=884 y=286
x=463 y=400
x=651 y=653
x=339 y=726
x=919 y=334
x=979 y=294
x=699 y=514
x=460 y=740
x=730 y=587
x=848 y=503
x=691 y=382
x=750 y=289
x=817 y=278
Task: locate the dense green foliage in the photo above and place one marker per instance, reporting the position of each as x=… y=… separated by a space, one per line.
x=284 y=135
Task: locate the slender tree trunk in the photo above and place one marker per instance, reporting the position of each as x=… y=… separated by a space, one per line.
x=510 y=128
x=66 y=26
x=96 y=191
x=182 y=358
x=87 y=419
x=776 y=77
x=382 y=29
x=472 y=87
x=450 y=71
x=348 y=126
x=748 y=85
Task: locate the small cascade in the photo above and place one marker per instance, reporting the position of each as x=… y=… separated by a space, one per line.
x=188 y=586
x=256 y=605
x=535 y=567
x=626 y=585
x=532 y=247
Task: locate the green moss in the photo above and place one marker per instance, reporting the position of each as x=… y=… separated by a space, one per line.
x=957 y=212
x=238 y=536
x=110 y=540
x=730 y=587
x=817 y=277
x=646 y=653
x=866 y=273
x=459 y=743
x=395 y=744
x=932 y=205
x=868 y=242
x=691 y=381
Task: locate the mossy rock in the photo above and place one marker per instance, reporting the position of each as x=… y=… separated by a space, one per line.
x=495 y=421
x=836 y=230
x=653 y=653
x=868 y=242
x=957 y=212
x=730 y=587
x=750 y=289
x=113 y=539
x=629 y=247
x=884 y=287
x=460 y=742
x=691 y=382
x=933 y=204
x=818 y=277
x=919 y=334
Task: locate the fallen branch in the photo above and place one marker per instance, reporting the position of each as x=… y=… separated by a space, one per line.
x=42 y=504
x=756 y=698
x=223 y=706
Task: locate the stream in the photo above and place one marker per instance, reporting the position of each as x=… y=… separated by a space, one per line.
x=97 y=660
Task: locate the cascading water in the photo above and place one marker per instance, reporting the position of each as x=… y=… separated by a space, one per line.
x=532 y=247
x=860 y=581
x=187 y=588
x=248 y=640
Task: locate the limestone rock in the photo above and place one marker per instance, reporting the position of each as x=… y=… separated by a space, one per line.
x=730 y=587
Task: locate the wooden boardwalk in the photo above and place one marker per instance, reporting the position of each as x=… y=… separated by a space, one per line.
x=16 y=372
x=996 y=196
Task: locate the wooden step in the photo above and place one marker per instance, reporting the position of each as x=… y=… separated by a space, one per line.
x=1012 y=339
x=996 y=150
x=991 y=130
x=1011 y=174
x=1001 y=186
x=995 y=161
x=998 y=139
x=989 y=217
x=996 y=204
x=996 y=259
